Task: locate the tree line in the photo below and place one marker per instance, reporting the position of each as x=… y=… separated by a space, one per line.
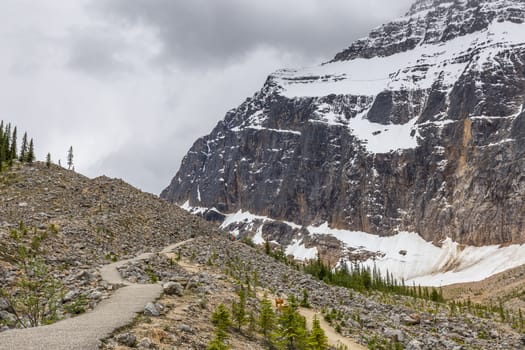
x=364 y=279
x=9 y=151
x=9 y=148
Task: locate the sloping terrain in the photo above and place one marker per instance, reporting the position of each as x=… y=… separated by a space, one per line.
x=82 y=224
x=210 y=271
x=95 y=222
x=417 y=128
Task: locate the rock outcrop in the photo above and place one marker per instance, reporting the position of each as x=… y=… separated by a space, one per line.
x=419 y=127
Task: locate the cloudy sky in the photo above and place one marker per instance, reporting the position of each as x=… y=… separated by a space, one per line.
x=131 y=84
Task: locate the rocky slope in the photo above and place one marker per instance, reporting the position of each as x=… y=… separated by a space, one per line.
x=419 y=127
x=92 y=222
x=86 y=223
x=211 y=269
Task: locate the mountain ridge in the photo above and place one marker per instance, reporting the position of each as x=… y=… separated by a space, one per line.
x=428 y=139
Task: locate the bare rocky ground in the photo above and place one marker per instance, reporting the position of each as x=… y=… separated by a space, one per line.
x=372 y=320
x=192 y=292
x=89 y=222
x=507 y=287
x=93 y=222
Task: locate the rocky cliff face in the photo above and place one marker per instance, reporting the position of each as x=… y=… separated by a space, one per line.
x=418 y=127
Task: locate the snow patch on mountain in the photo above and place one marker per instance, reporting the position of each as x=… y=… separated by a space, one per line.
x=299 y=251
x=414 y=69
x=377 y=138
x=406 y=255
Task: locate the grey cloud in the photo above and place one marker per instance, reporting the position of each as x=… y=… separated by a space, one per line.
x=95 y=51
x=215 y=32
x=136 y=165
x=212 y=55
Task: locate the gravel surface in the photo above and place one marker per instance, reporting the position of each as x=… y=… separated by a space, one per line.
x=85 y=331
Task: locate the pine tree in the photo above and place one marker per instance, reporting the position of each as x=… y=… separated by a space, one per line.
x=70 y=158
x=221 y=319
x=267 y=248
x=305 y=302
x=266 y=319
x=5 y=154
x=317 y=339
x=217 y=344
x=23 y=149
x=13 y=150
x=48 y=160
x=239 y=310
x=2 y=150
x=252 y=323
x=291 y=332
x=30 y=158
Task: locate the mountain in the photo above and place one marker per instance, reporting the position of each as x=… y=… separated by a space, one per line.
x=417 y=128
x=81 y=229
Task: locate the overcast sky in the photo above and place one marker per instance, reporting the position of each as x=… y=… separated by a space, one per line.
x=131 y=84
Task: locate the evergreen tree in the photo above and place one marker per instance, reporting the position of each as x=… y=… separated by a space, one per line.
x=2 y=150
x=23 y=148
x=239 y=310
x=7 y=140
x=70 y=158
x=5 y=154
x=48 y=160
x=267 y=248
x=317 y=339
x=291 y=333
x=9 y=145
x=221 y=319
x=266 y=319
x=252 y=323
x=13 y=149
x=305 y=302
x=217 y=344
x=30 y=157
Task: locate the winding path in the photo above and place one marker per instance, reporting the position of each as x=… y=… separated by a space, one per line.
x=85 y=331
x=334 y=338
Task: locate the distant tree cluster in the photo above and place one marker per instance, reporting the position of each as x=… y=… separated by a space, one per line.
x=282 y=330
x=364 y=279
x=9 y=148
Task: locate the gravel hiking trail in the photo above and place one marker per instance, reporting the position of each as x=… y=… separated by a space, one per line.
x=85 y=331
x=334 y=338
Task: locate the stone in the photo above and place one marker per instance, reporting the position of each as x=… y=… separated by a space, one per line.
x=70 y=295
x=96 y=295
x=151 y=310
x=414 y=345
x=127 y=339
x=173 y=288
x=193 y=283
x=411 y=320
x=145 y=343
x=7 y=317
x=4 y=305
x=185 y=328
x=396 y=335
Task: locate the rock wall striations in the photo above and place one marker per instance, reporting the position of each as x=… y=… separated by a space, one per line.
x=418 y=127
